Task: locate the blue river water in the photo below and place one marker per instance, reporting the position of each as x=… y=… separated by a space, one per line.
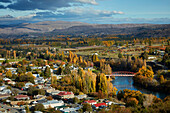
x=127 y=83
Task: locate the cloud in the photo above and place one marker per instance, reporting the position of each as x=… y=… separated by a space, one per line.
x=1 y=6
x=5 y=1
x=88 y=2
x=87 y=12
x=46 y=4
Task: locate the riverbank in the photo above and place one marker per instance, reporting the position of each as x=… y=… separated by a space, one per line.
x=151 y=84
x=127 y=83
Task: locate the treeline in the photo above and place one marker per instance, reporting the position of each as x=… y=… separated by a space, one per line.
x=145 y=78
x=124 y=64
x=86 y=82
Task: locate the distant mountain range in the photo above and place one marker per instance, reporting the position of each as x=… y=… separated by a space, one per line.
x=79 y=28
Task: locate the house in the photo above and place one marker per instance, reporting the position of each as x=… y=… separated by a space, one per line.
x=2 y=110
x=11 y=82
x=2 y=88
x=81 y=96
x=98 y=105
x=48 y=89
x=38 y=112
x=4 y=96
x=90 y=68
x=110 y=103
x=64 y=95
x=22 y=97
x=39 y=80
x=55 y=92
x=70 y=110
x=28 y=84
x=36 y=75
x=6 y=91
x=91 y=102
x=39 y=86
x=53 y=103
x=151 y=57
x=6 y=79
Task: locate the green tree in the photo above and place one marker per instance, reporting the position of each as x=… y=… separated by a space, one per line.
x=120 y=55
x=76 y=100
x=32 y=91
x=87 y=107
x=39 y=107
x=144 y=55
x=47 y=72
x=27 y=109
x=41 y=92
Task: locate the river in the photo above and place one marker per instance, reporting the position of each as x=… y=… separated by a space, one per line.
x=127 y=83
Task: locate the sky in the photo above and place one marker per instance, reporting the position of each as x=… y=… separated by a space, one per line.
x=89 y=11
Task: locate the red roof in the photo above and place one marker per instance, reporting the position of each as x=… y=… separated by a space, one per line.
x=89 y=101
x=100 y=104
x=21 y=96
x=65 y=93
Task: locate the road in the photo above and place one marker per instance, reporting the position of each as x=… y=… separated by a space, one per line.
x=12 y=110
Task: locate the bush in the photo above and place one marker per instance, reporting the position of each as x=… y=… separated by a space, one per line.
x=87 y=107
x=39 y=107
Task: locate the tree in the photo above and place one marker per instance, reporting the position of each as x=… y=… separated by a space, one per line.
x=27 y=109
x=101 y=83
x=76 y=100
x=39 y=107
x=95 y=58
x=41 y=92
x=144 y=55
x=146 y=71
x=53 y=80
x=9 y=74
x=87 y=107
x=32 y=91
x=120 y=55
x=47 y=72
x=20 y=84
x=162 y=79
x=132 y=102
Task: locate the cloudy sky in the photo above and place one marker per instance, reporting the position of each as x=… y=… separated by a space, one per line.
x=90 y=11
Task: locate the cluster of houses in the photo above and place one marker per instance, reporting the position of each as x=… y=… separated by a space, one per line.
x=60 y=99
x=4 y=90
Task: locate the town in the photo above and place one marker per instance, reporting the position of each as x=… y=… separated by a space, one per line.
x=36 y=78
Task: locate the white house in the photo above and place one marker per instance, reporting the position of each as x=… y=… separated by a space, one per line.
x=36 y=75
x=2 y=88
x=70 y=110
x=53 y=103
x=6 y=91
x=28 y=84
x=81 y=96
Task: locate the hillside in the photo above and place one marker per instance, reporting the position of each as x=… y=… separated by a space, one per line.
x=51 y=28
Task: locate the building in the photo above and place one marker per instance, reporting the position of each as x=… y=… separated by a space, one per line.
x=98 y=105
x=22 y=97
x=28 y=84
x=53 y=103
x=48 y=89
x=6 y=91
x=91 y=102
x=70 y=110
x=64 y=95
x=81 y=96
x=2 y=88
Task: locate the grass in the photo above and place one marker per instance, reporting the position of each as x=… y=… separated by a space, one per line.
x=13 y=60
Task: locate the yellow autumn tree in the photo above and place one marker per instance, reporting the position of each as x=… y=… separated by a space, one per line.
x=9 y=74
x=147 y=72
